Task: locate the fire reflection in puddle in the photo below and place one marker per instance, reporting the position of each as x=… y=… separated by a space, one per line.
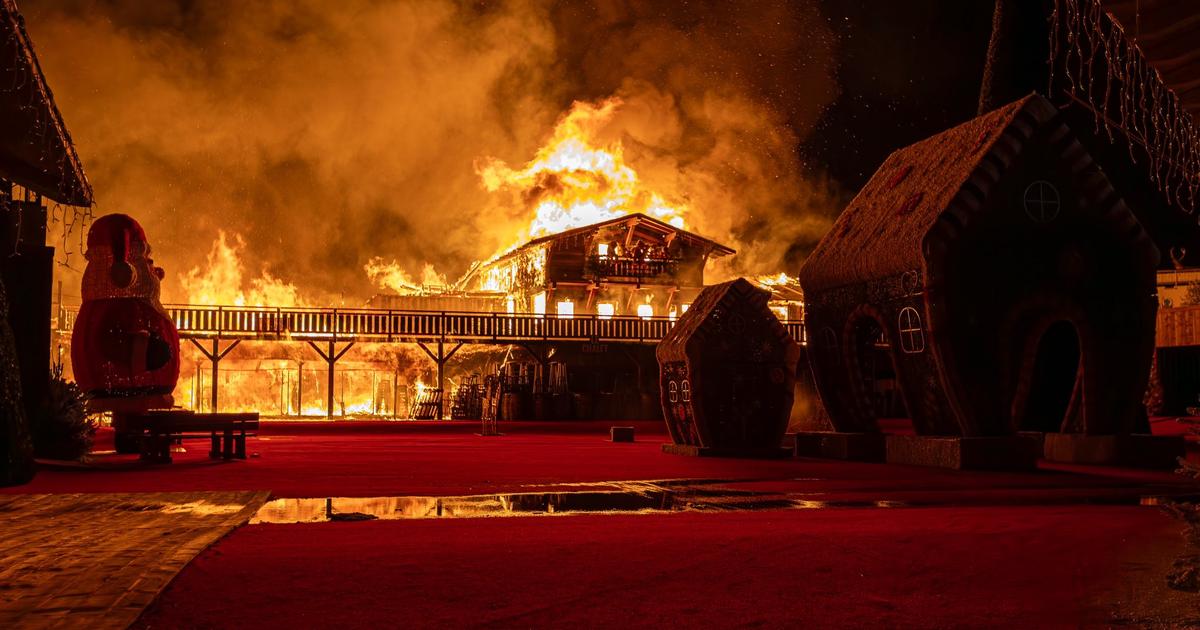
x=622 y=498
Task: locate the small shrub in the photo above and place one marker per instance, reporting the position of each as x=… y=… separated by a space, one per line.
x=65 y=431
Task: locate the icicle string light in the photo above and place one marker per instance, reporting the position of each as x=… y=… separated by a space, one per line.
x=1134 y=100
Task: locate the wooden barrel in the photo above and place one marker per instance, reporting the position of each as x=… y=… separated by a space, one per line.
x=604 y=408
x=510 y=406
x=542 y=409
x=560 y=406
x=583 y=405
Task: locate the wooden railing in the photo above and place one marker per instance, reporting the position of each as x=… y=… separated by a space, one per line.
x=304 y=324
x=629 y=267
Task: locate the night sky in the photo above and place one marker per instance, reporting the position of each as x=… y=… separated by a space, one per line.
x=907 y=70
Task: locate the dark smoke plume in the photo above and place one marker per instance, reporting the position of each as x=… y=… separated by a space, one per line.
x=324 y=134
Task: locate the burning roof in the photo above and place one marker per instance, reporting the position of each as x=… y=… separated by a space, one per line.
x=637 y=222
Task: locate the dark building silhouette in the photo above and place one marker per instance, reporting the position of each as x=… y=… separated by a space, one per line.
x=1001 y=276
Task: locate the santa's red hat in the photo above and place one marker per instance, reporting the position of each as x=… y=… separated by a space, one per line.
x=117 y=234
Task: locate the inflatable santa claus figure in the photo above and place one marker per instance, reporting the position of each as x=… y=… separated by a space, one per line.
x=124 y=346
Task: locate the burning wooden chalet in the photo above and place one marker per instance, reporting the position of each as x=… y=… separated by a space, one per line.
x=634 y=265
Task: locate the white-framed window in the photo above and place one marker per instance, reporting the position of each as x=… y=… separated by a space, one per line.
x=912 y=331
x=1042 y=201
x=606 y=310
x=602 y=249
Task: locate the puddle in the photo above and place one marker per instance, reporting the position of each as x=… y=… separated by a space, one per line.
x=623 y=498
x=661 y=496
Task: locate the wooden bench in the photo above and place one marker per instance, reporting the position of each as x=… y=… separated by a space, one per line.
x=159 y=429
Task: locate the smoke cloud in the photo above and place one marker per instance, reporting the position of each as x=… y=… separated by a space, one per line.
x=324 y=135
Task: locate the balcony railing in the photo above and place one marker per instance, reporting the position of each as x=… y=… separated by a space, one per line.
x=629 y=267
x=310 y=324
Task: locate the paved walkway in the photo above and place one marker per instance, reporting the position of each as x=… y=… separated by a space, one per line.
x=97 y=560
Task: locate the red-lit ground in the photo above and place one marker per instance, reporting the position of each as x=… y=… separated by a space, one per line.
x=934 y=567
x=1059 y=547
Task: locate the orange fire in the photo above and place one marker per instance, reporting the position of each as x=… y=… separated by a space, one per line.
x=576 y=180
x=782 y=279
x=222 y=280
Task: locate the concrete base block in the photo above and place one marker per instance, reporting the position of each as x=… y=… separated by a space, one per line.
x=862 y=447
x=1139 y=451
x=1036 y=436
x=746 y=453
x=963 y=453
x=620 y=434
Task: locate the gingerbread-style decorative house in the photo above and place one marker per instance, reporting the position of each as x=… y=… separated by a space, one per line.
x=997 y=271
x=727 y=372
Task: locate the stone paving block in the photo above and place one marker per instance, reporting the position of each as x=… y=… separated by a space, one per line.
x=97 y=560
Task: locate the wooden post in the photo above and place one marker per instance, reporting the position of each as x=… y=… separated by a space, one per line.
x=395 y=391
x=215 y=357
x=440 y=359
x=331 y=358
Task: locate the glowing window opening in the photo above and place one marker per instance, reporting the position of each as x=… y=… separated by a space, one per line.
x=606 y=310
x=566 y=309
x=539 y=304
x=780 y=312
x=645 y=311
x=912 y=331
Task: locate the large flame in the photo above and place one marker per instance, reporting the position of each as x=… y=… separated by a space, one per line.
x=222 y=280
x=392 y=276
x=576 y=180
x=781 y=279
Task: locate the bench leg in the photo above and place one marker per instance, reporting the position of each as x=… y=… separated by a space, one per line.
x=146 y=448
x=240 y=450
x=214 y=452
x=227 y=453
x=156 y=448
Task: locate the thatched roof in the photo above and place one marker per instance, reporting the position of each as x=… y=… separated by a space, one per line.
x=882 y=230
x=35 y=148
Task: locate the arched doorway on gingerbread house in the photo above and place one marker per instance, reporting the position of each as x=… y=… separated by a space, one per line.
x=1054 y=379
x=874 y=376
